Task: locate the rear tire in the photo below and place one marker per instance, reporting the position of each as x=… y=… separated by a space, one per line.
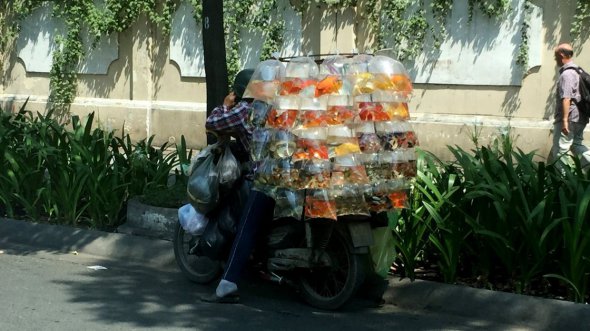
x=198 y=269
x=332 y=287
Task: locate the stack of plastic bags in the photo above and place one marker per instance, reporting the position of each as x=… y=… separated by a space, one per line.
x=332 y=139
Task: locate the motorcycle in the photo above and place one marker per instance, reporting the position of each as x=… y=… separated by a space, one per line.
x=326 y=260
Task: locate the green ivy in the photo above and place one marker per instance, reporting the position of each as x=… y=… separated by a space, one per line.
x=302 y=6
x=69 y=53
x=273 y=31
x=441 y=9
x=235 y=13
x=83 y=15
x=403 y=23
x=372 y=9
x=197 y=10
x=7 y=33
x=252 y=16
x=11 y=14
x=580 y=23
x=522 y=58
x=490 y=8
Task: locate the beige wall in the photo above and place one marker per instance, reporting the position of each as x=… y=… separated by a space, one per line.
x=144 y=93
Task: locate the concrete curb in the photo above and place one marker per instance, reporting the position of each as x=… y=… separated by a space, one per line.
x=149 y=221
x=511 y=309
x=157 y=253
x=536 y=313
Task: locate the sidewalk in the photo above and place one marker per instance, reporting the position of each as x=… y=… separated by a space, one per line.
x=64 y=239
x=532 y=312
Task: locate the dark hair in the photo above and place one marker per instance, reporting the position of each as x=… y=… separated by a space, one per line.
x=241 y=82
x=565 y=52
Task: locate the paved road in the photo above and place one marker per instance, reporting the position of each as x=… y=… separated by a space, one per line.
x=52 y=291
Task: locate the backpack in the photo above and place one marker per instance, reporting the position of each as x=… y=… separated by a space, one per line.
x=584 y=88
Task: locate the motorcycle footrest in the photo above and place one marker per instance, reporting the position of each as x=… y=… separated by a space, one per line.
x=291 y=258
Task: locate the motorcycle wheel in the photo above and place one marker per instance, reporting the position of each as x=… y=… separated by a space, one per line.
x=198 y=269
x=331 y=287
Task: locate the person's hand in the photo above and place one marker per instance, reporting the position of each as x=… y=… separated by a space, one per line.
x=230 y=100
x=565 y=129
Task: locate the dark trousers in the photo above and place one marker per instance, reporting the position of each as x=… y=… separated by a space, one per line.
x=258 y=209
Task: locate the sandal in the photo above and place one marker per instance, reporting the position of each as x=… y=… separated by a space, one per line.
x=228 y=298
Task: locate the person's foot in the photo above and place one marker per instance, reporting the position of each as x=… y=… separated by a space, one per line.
x=233 y=297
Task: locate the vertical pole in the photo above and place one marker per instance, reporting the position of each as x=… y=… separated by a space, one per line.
x=214 y=54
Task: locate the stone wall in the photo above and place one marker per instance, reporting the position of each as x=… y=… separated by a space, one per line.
x=148 y=84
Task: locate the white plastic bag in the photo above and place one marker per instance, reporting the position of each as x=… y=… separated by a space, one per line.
x=192 y=221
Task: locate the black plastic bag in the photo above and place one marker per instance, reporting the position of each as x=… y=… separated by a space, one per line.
x=218 y=236
x=213 y=244
x=231 y=209
x=227 y=221
x=203 y=183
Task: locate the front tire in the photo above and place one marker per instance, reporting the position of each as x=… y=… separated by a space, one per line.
x=198 y=269
x=332 y=287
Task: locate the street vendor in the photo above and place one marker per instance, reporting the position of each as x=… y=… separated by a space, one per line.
x=231 y=118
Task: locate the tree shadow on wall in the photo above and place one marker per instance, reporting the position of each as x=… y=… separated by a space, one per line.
x=329 y=19
x=102 y=85
x=190 y=42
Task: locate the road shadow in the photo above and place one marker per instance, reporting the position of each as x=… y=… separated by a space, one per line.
x=163 y=299
x=45 y=237
x=134 y=291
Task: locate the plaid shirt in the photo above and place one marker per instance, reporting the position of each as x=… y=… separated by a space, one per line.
x=232 y=121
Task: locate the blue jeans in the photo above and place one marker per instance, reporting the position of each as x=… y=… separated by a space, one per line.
x=258 y=209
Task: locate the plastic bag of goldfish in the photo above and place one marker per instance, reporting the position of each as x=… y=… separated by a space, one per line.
x=335 y=135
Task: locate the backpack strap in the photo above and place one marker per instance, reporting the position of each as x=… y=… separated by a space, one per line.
x=579 y=70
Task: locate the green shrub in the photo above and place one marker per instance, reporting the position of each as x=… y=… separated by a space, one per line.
x=77 y=176
x=497 y=215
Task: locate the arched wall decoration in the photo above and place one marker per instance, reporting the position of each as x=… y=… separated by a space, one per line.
x=36 y=44
x=481 y=52
x=186 y=42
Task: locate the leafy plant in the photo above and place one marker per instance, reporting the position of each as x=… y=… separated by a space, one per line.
x=145 y=166
x=411 y=227
x=25 y=157
x=77 y=176
x=574 y=201
x=441 y=191
x=509 y=205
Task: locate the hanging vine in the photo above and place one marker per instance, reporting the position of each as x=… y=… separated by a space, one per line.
x=271 y=29
x=11 y=14
x=490 y=8
x=580 y=23
x=197 y=10
x=302 y=6
x=81 y=16
x=522 y=58
x=250 y=15
x=441 y=9
x=7 y=34
x=406 y=25
x=235 y=14
x=401 y=24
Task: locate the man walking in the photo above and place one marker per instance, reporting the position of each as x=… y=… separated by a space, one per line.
x=568 y=128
